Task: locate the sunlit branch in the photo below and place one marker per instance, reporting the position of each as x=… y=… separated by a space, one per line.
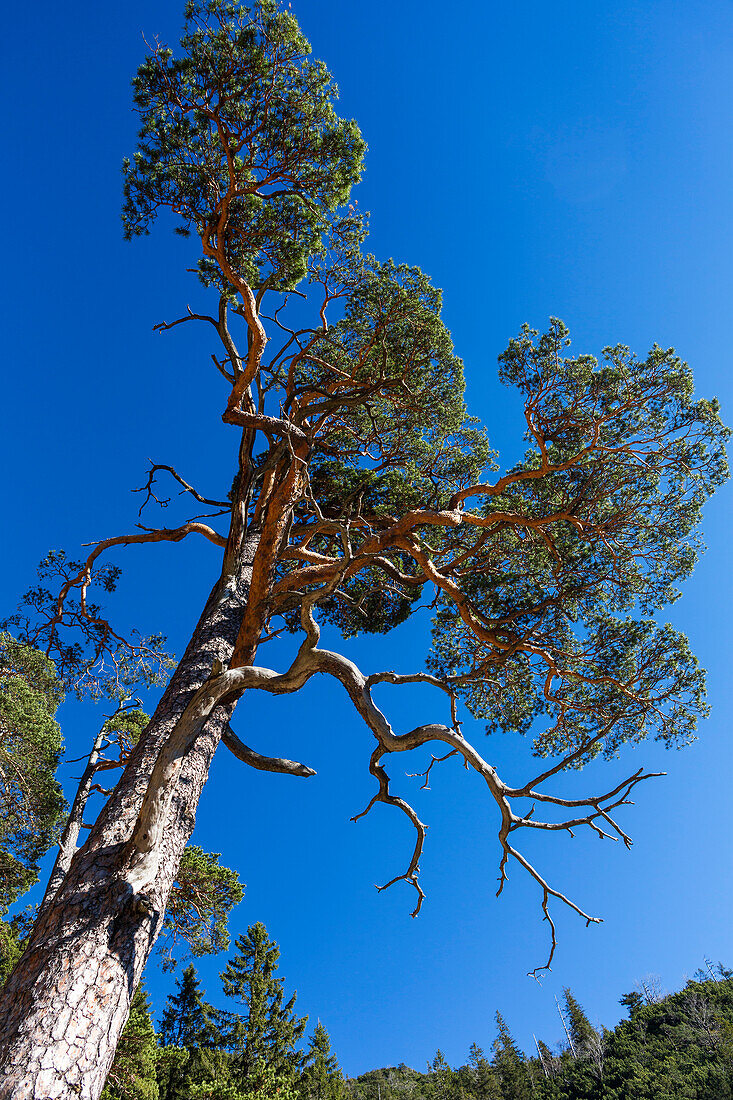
x=263 y=763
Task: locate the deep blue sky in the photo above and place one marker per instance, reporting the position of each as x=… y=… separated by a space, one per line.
x=534 y=158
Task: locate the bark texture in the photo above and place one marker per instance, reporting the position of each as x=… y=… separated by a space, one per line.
x=64 y=1007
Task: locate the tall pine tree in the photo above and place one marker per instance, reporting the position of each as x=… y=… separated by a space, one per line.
x=266 y=1034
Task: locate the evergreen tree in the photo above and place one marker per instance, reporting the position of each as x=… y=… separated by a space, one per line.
x=266 y=1034
x=484 y=1083
x=187 y=1026
x=441 y=1078
x=31 y=801
x=582 y=1031
x=633 y=1001
x=269 y=1085
x=321 y=1078
x=132 y=1074
x=509 y=1064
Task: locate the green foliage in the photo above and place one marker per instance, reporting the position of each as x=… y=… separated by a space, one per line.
x=398 y=356
x=478 y=1079
x=628 y=458
x=265 y=1035
x=581 y=1030
x=240 y=139
x=321 y=1077
x=31 y=801
x=188 y=1038
x=396 y=436
x=11 y=948
x=267 y=1084
x=442 y=1085
x=132 y=1074
x=679 y=1047
x=203 y=896
x=509 y=1064
x=127 y=727
x=171 y=1065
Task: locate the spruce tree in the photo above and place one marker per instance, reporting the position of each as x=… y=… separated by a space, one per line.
x=268 y=1031
x=509 y=1064
x=186 y=1025
x=441 y=1080
x=321 y=1078
x=484 y=1084
x=582 y=1031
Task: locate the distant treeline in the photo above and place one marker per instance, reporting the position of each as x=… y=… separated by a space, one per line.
x=675 y=1047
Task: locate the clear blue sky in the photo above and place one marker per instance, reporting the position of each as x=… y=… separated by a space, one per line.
x=535 y=158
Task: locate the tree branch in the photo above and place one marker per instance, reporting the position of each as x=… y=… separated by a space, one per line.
x=263 y=763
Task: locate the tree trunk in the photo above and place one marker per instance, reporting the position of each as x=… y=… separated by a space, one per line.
x=65 y=1004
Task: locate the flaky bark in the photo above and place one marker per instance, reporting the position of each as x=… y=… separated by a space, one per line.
x=88 y=950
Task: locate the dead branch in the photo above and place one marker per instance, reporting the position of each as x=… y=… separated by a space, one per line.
x=263 y=763
x=149 y=494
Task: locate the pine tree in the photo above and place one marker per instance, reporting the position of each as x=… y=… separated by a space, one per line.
x=187 y=1025
x=368 y=486
x=509 y=1064
x=266 y=1034
x=582 y=1031
x=132 y=1074
x=321 y=1078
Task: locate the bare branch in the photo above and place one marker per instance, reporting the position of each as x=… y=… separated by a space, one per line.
x=148 y=489
x=263 y=763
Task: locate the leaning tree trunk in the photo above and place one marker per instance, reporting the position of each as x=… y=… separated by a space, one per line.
x=64 y=1006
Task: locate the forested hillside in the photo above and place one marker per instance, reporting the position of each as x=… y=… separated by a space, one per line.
x=678 y=1046
x=673 y=1047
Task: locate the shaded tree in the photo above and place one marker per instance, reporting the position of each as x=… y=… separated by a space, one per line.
x=186 y=1028
x=359 y=482
x=132 y=1073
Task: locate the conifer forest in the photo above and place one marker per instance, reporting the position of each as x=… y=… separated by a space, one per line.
x=382 y=611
